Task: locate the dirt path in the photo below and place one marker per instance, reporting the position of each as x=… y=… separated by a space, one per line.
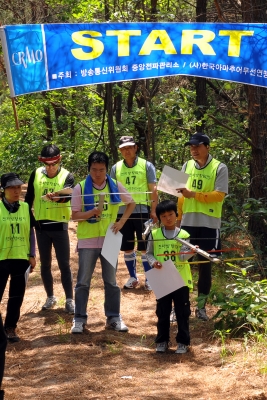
x=49 y=363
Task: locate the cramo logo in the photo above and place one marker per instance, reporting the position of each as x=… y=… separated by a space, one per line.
x=27 y=56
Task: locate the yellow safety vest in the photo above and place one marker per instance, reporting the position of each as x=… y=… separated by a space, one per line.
x=202 y=180
x=50 y=209
x=134 y=179
x=15 y=233
x=109 y=214
x=162 y=245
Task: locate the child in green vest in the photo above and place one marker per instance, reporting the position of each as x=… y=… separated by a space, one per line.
x=166 y=212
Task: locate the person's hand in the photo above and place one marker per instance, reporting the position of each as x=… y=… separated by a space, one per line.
x=195 y=249
x=95 y=212
x=116 y=227
x=154 y=217
x=32 y=262
x=51 y=196
x=157 y=265
x=188 y=194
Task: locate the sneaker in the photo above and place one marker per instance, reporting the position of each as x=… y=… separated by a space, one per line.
x=116 y=324
x=162 y=347
x=201 y=314
x=148 y=288
x=173 y=315
x=181 y=349
x=132 y=283
x=77 y=327
x=11 y=335
x=50 y=303
x=69 y=306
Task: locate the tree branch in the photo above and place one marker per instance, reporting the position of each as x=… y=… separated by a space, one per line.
x=247 y=140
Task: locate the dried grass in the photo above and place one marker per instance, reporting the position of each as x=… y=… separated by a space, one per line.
x=50 y=363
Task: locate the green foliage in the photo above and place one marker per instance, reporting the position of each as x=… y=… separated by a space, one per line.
x=173 y=113
x=235 y=223
x=201 y=300
x=222 y=335
x=62 y=329
x=74 y=128
x=243 y=307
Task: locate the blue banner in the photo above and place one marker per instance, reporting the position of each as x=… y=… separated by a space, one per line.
x=57 y=56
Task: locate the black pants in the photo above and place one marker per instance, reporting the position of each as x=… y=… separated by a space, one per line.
x=16 y=270
x=182 y=310
x=3 y=344
x=207 y=239
x=133 y=225
x=60 y=241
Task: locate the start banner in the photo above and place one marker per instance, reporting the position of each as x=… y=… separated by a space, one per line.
x=56 y=56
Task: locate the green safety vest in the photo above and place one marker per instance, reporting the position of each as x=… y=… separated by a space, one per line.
x=163 y=245
x=202 y=180
x=109 y=214
x=134 y=179
x=50 y=210
x=15 y=233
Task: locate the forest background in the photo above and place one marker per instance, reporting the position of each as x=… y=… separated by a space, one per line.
x=161 y=114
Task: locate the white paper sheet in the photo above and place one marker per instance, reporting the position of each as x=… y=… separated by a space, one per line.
x=172 y=179
x=111 y=246
x=165 y=280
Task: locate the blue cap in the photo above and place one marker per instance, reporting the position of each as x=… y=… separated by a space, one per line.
x=197 y=139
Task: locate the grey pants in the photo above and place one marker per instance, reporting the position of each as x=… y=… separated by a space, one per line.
x=60 y=241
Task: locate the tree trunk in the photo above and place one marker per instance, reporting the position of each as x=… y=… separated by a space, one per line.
x=48 y=123
x=47 y=119
x=111 y=134
x=255 y=11
x=201 y=89
x=118 y=104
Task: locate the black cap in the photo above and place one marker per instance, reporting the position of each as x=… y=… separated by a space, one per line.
x=10 y=179
x=197 y=139
x=126 y=141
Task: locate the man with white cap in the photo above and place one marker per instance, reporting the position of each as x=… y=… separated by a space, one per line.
x=138 y=176
x=200 y=207
x=52 y=214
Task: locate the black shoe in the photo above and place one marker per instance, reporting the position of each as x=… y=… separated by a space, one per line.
x=201 y=314
x=11 y=335
x=2 y=394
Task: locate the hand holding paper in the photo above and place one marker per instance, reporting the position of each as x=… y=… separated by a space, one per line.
x=53 y=196
x=164 y=280
x=171 y=179
x=189 y=194
x=111 y=246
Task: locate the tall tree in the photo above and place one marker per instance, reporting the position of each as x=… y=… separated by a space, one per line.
x=256 y=11
x=201 y=88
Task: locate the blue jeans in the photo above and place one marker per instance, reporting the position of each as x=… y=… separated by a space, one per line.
x=87 y=263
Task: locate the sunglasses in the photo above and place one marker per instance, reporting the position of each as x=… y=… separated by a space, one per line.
x=51 y=164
